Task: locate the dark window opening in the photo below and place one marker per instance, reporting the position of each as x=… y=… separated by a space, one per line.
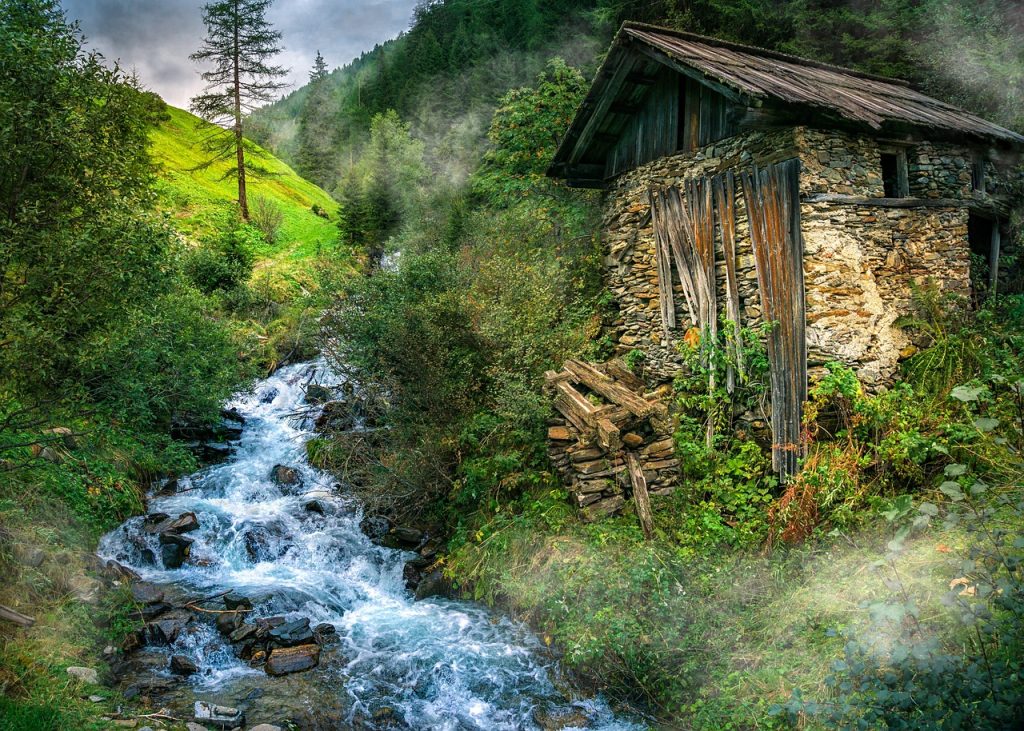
x=978 y=173
x=984 y=238
x=895 y=180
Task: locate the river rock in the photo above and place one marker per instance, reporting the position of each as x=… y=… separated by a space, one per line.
x=285 y=660
x=184 y=523
x=166 y=629
x=291 y=634
x=556 y=719
x=243 y=633
x=86 y=675
x=401 y=537
x=116 y=571
x=265 y=624
x=434 y=584
x=325 y=633
x=268 y=395
x=228 y=622
x=146 y=593
x=375 y=526
x=314 y=506
x=232 y=414
x=150 y=612
x=218 y=716
x=174 y=549
x=264 y=542
x=234 y=600
x=181 y=665
x=153 y=522
x=193 y=726
x=266 y=727
x=283 y=475
x=317 y=394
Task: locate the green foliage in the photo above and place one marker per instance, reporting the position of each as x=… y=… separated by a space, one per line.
x=727 y=473
x=223 y=263
x=962 y=668
x=169 y=359
x=383 y=190
x=525 y=132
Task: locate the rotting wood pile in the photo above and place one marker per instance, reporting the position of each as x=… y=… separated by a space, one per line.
x=611 y=442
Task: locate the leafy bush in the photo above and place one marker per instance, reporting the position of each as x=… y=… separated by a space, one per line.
x=267 y=217
x=223 y=263
x=169 y=359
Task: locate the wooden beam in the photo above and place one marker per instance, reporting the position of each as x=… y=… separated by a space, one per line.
x=608 y=436
x=641 y=499
x=9 y=615
x=614 y=392
x=575 y=407
x=623 y=108
x=988 y=205
x=641 y=79
x=681 y=68
x=608 y=95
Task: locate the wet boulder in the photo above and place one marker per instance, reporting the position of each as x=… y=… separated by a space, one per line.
x=268 y=395
x=174 y=549
x=434 y=584
x=181 y=665
x=243 y=633
x=284 y=476
x=167 y=628
x=313 y=506
x=146 y=593
x=291 y=634
x=285 y=660
x=228 y=622
x=234 y=600
x=325 y=633
x=184 y=523
x=375 y=527
x=232 y=414
x=556 y=719
x=317 y=394
x=116 y=571
x=402 y=537
x=149 y=612
x=211 y=714
x=264 y=542
x=265 y=624
x=153 y=523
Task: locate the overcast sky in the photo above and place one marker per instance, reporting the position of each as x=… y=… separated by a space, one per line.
x=155 y=37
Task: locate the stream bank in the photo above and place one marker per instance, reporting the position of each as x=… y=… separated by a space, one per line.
x=319 y=628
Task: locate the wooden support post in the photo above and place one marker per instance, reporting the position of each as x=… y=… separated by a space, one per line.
x=641 y=499
x=9 y=615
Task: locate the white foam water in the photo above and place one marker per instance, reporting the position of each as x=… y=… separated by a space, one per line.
x=436 y=663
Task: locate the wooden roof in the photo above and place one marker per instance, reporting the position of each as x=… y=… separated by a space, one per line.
x=758 y=77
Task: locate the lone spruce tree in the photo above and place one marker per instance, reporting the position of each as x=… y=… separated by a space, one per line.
x=239 y=43
x=317 y=155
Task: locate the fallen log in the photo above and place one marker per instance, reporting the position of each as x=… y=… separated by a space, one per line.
x=9 y=615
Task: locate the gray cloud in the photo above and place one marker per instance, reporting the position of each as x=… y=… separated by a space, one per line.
x=155 y=37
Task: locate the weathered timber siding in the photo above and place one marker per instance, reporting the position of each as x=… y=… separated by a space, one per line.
x=860 y=261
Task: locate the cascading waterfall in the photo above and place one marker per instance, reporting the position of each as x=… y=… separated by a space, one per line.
x=436 y=663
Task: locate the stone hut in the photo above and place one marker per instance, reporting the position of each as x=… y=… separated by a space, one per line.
x=752 y=186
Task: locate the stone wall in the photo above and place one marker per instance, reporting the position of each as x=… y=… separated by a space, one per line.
x=860 y=260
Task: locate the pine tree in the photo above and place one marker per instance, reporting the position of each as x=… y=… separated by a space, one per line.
x=239 y=43
x=318 y=130
x=319 y=71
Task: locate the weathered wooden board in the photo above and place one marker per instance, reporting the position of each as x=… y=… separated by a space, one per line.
x=773 y=211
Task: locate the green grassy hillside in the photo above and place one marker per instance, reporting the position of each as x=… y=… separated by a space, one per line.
x=199 y=199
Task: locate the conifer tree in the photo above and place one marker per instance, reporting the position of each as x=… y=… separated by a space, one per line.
x=318 y=129
x=239 y=43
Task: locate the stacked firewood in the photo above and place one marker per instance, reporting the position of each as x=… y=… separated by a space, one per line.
x=611 y=441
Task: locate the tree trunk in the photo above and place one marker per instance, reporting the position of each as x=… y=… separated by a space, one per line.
x=243 y=201
x=9 y=615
